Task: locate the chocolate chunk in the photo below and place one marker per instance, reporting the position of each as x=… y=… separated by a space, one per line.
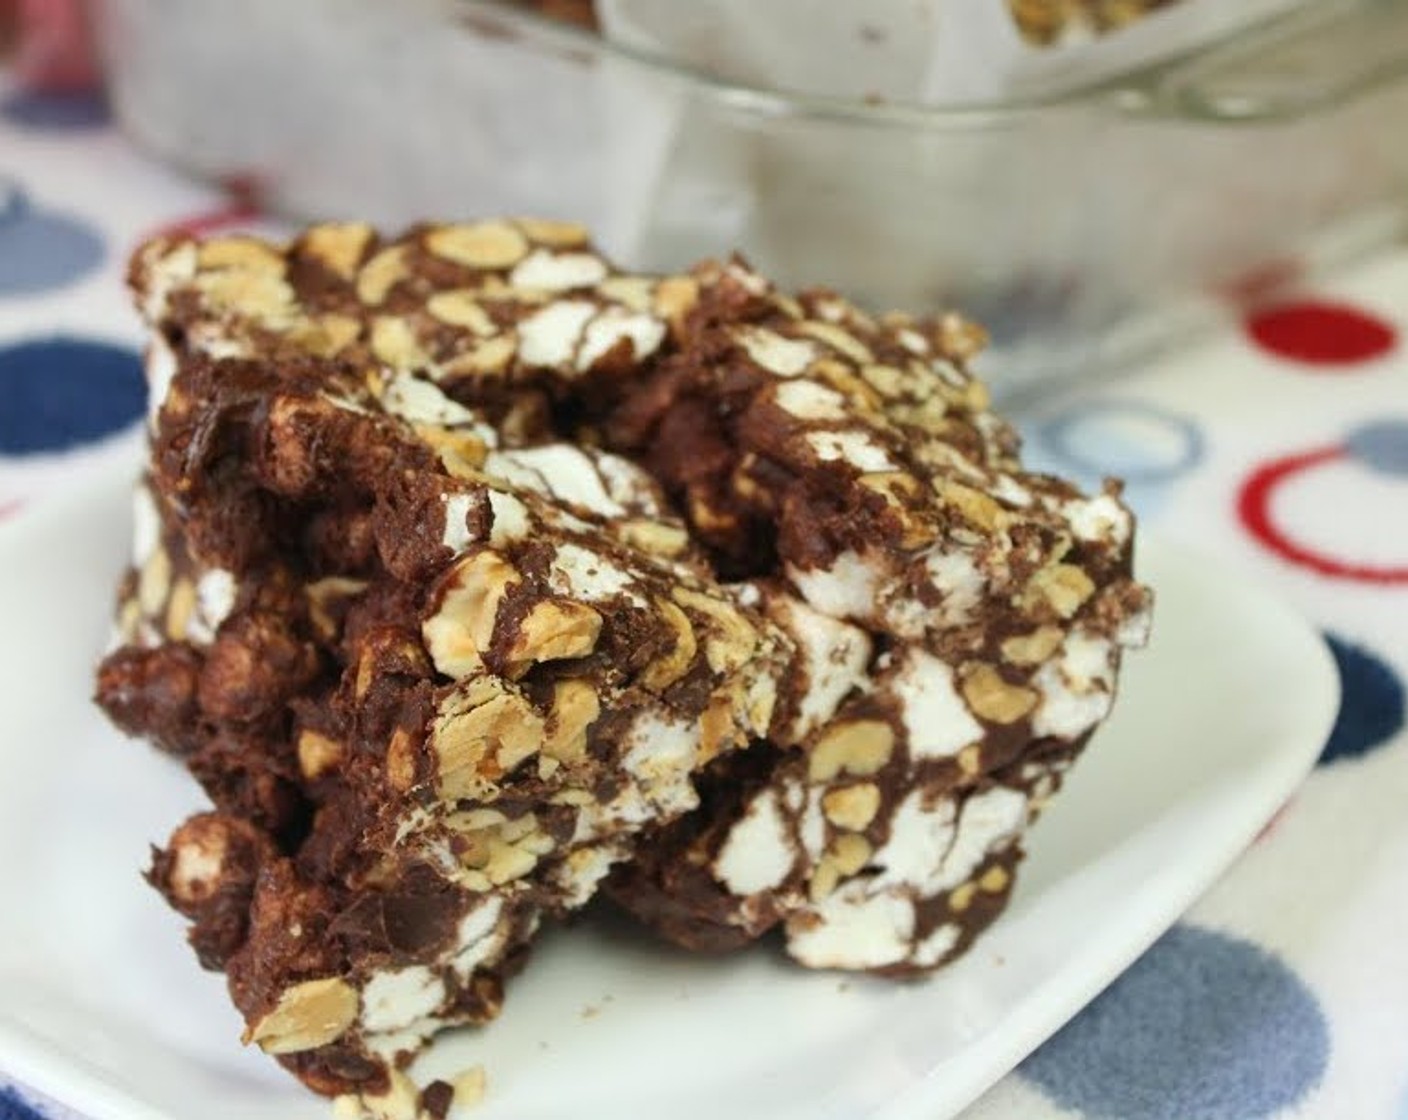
x=436 y=1099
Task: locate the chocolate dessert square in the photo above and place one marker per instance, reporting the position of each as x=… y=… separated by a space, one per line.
x=472 y=573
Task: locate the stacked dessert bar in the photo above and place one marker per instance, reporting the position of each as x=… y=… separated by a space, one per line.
x=473 y=575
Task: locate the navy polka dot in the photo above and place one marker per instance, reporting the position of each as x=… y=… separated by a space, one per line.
x=40 y=251
x=62 y=392
x=12 y=1108
x=1371 y=702
x=1381 y=446
x=57 y=111
x=1203 y=1025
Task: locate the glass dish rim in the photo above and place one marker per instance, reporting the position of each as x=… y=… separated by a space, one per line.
x=1152 y=92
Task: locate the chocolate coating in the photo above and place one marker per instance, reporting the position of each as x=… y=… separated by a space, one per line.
x=472 y=572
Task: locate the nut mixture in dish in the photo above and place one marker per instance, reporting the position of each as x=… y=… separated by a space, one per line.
x=1042 y=23
x=1049 y=22
x=473 y=576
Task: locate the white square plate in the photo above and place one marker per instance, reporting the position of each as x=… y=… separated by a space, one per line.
x=103 y=1006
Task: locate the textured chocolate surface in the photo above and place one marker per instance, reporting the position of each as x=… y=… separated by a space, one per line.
x=470 y=572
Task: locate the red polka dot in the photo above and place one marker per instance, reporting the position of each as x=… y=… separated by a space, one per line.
x=1319 y=333
x=8 y=508
x=240 y=208
x=1254 y=511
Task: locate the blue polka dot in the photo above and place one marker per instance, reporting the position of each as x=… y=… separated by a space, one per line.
x=57 y=111
x=1149 y=448
x=40 y=251
x=12 y=1108
x=1371 y=702
x=1381 y=446
x=1203 y=1025
x=62 y=392
x=1135 y=441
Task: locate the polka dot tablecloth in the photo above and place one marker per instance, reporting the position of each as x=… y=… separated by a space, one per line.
x=1279 y=448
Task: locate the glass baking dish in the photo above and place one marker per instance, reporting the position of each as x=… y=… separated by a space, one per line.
x=1085 y=231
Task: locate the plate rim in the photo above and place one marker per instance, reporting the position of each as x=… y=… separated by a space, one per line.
x=1037 y=1021
x=37 y=1063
